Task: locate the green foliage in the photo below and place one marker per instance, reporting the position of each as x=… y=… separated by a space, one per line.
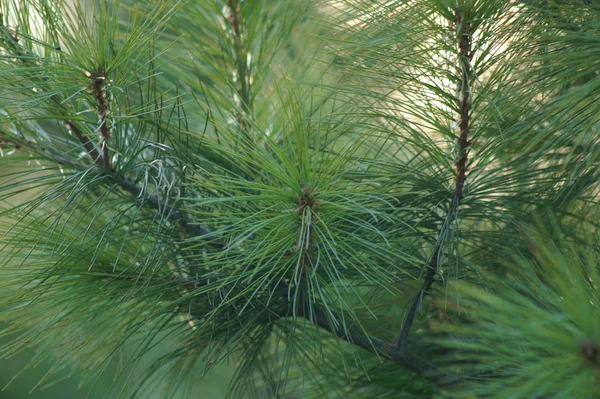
x=533 y=331
x=334 y=197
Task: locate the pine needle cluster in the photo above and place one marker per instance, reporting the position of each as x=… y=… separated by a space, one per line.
x=347 y=198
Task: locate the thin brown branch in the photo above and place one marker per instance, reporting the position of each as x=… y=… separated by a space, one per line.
x=151 y=200
x=464 y=102
x=591 y=352
x=415 y=305
x=357 y=338
x=234 y=17
x=154 y=202
x=12 y=43
x=464 y=35
x=242 y=70
x=17 y=144
x=87 y=143
x=102 y=108
x=240 y=58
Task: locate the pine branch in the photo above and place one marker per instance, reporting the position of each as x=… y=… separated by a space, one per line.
x=103 y=107
x=415 y=305
x=87 y=143
x=6 y=138
x=243 y=78
x=101 y=160
x=154 y=202
x=241 y=62
x=357 y=338
x=126 y=183
x=352 y=335
x=12 y=43
x=466 y=56
x=464 y=35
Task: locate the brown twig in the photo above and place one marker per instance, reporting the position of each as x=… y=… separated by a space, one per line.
x=591 y=352
x=356 y=337
x=154 y=202
x=235 y=20
x=31 y=146
x=464 y=35
x=87 y=143
x=234 y=17
x=151 y=200
x=466 y=55
x=415 y=305
x=102 y=108
x=243 y=71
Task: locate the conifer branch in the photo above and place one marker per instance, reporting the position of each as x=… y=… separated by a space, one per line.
x=351 y=335
x=103 y=108
x=90 y=147
x=242 y=76
x=357 y=338
x=102 y=160
x=271 y=277
x=464 y=35
x=6 y=138
x=241 y=61
x=87 y=143
x=127 y=184
x=153 y=201
x=591 y=352
x=466 y=55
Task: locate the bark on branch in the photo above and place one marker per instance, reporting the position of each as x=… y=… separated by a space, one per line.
x=151 y=200
x=464 y=36
x=102 y=108
x=357 y=338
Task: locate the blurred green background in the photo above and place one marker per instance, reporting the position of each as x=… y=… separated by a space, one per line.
x=18 y=378
x=213 y=386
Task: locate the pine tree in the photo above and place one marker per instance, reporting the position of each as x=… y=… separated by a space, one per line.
x=349 y=198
